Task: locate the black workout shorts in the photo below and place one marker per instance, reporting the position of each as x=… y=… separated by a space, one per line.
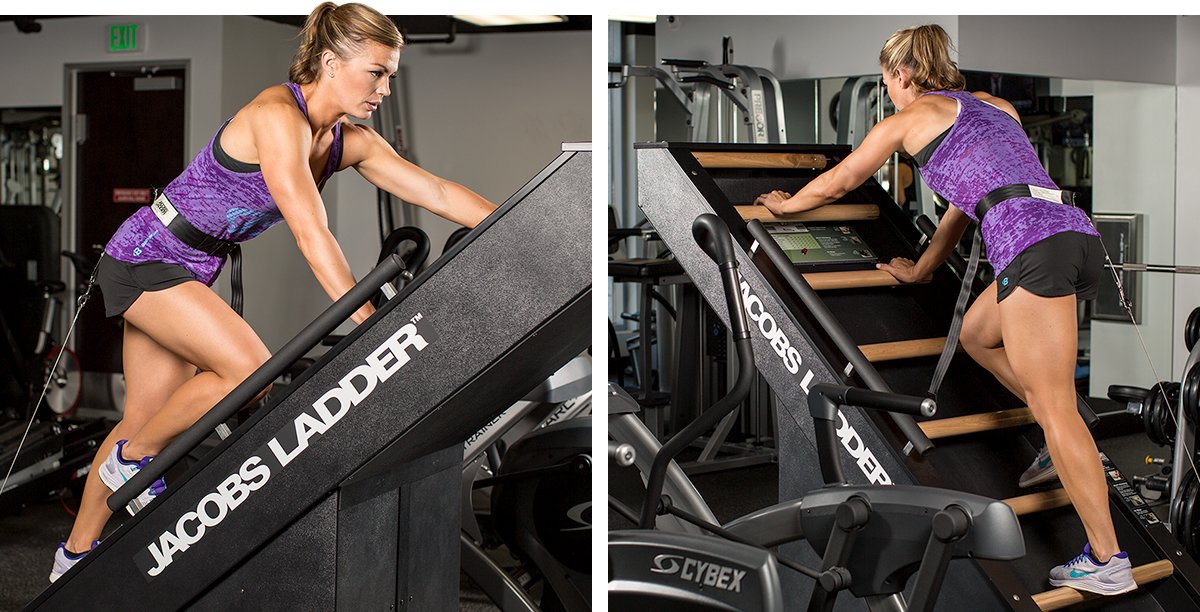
x=1063 y=264
x=121 y=283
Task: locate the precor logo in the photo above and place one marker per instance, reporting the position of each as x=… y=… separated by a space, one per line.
x=704 y=573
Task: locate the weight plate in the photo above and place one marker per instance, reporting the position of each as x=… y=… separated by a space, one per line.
x=66 y=381
x=1191 y=331
x=1158 y=413
x=1126 y=394
x=1190 y=393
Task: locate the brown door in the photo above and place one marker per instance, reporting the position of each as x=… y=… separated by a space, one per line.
x=134 y=139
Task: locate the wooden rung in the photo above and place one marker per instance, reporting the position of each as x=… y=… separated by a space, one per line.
x=1038 y=502
x=903 y=349
x=975 y=423
x=833 y=213
x=1063 y=597
x=857 y=279
x=741 y=159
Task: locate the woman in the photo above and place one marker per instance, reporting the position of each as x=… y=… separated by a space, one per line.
x=264 y=165
x=1023 y=327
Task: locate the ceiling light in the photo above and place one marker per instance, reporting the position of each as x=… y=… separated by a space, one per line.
x=634 y=18
x=488 y=21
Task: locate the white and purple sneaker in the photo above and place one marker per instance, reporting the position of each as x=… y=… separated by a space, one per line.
x=65 y=559
x=117 y=470
x=1086 y=573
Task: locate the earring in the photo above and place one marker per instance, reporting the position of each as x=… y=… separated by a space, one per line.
x=331 y=75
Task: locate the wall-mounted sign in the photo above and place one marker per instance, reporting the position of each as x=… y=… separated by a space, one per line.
x=126 y=37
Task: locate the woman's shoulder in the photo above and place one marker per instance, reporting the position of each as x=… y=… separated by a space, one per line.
x=272 y=100
x=997 y=102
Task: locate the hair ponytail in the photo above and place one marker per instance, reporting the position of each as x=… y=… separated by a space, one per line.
x=342 y=29
x=925 y=52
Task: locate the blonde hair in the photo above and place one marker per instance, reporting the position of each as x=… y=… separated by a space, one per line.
x=925 y=52
x=342 y=29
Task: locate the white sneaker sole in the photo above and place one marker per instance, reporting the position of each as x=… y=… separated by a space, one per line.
x=1091 y=586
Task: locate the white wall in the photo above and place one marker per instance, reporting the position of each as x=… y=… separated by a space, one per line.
x=1134 y=169
x=792 y=47
x=1187 y=207
x=1138 y=48
x=1116 y=48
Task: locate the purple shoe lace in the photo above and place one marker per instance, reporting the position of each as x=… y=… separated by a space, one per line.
x=158 y=486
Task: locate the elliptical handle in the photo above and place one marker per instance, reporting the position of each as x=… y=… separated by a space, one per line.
x=823 y=402
x=712 y=236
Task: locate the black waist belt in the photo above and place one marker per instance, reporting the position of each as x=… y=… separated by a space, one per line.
x=186 y=232
x=1009 y=192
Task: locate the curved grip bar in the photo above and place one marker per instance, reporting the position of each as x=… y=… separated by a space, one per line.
x=712 y=235
x=416 y=258
x=823 y=402
x=279 y=363
x=710 y=232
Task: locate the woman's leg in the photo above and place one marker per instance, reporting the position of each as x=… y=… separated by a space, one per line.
x=152 y=374
x=166 y=332
x=191 y=321
x=1040 y=338
x=982 y=340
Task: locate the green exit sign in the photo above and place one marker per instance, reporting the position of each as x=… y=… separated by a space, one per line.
x=125 y=37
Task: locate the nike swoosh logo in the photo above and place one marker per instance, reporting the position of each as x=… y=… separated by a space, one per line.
x=1079 y=574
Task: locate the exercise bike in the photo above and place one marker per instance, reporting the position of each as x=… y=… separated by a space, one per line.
x=871 y=539
x=43 y=449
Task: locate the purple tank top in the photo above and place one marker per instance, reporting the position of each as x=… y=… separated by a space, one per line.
x=231 y=204
x=986 y=149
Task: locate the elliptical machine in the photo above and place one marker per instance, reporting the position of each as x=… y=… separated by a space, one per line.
x=872 y=539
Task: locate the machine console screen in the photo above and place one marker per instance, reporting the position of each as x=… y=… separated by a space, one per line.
x=821 y=244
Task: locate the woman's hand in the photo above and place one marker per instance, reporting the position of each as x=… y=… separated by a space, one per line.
x=774 y=201
x=904 y=270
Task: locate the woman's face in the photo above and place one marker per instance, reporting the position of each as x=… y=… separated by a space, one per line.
x=363 y=80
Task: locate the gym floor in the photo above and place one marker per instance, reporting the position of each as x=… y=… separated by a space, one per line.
x=28 y=538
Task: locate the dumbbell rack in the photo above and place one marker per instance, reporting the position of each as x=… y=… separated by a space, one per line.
x=861 y=328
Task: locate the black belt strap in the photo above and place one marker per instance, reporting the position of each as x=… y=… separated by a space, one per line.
x=235 y=279
x=985 y=204
x=1009 y=192
x=960 y=310
x=186 y=232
